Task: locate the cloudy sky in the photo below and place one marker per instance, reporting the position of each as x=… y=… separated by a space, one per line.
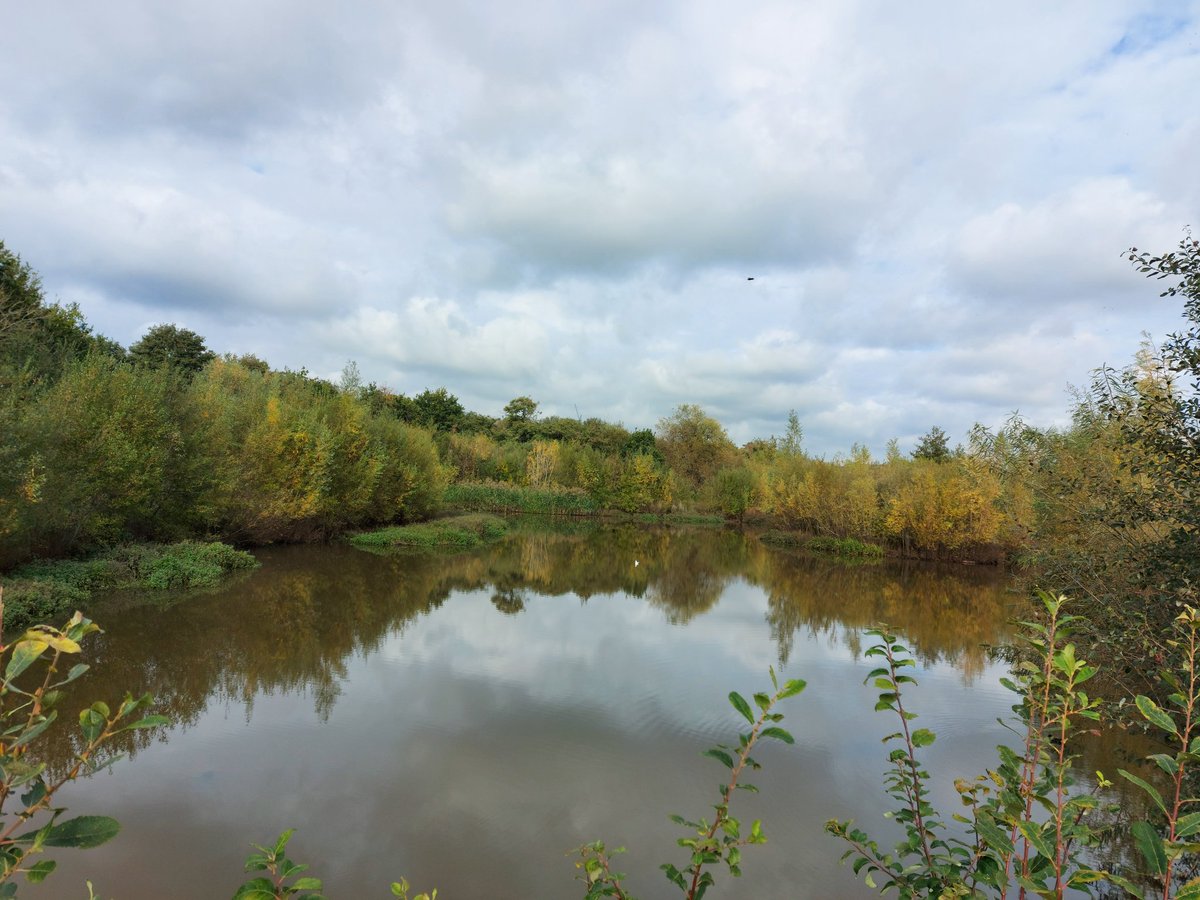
x=567 y=200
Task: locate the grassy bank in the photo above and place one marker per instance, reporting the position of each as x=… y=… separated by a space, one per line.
x=841 y=548
x=453 y=533
x=44 y=591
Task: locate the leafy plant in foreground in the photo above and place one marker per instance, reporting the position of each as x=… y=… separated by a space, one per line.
x=1162 y=847
x=1026 y=825
x=30 y=694
x=720 y=840
x=274 y=885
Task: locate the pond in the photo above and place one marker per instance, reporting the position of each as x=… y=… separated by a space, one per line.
x=467 y=720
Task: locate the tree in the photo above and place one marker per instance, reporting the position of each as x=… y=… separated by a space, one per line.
x=439 y=410
x=694 y=445
x=641 y=441
x=734 y=490
x=790 y=444
x=933 y=446
x=1157 y=404
x=20 y=292
x=173 y=347
x=520 y=409
x=37 y=338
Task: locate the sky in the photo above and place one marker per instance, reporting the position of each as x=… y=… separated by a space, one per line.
x=884 y=216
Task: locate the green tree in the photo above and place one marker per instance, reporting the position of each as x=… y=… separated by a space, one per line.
x=694 y=445
x=171 y=346
x=1157 y=405
x=105 y=459
x=734 y=489
x=933 y=446
x=520 y=409
x=21 y=300
x=792 y=438
x=37 y=338
x=439 y=410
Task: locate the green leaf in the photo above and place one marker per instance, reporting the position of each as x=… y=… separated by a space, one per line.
x=777 y=733
x=32 y=732
x=923 y=737
x=1167 y=763
x=1151 y=846
x=1189 y=891
x=1151 y=791
x=1155 y=714
x=720 y=755
x=1187 y=825
x=739 y=703
x=1126 y=885
x=92 y=724
x=1032 y=832
x=76 y=670
x=307 y=884
x=83 y=832
x=37 y=873
x=24 y=655
x=994 y=836
x=792 y=688
x=256 y=889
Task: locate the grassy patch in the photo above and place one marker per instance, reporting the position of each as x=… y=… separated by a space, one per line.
x=45 y=590
x=848 y=549
x=844 y=548
x=677 y=519
x=781 y=538
x=454 y=533
x=510 y=498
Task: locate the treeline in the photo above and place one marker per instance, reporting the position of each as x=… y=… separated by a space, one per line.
x=168 y=441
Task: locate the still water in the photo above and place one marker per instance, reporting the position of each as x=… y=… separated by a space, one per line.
x=465 y=721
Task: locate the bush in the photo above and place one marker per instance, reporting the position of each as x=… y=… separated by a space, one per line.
x=27 y=601
x=190 y=564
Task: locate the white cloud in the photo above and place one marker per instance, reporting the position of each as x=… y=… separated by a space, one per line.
x=567 y=201
x=1065 y=248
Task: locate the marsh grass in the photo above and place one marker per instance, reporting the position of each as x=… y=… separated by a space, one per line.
x=454 y=533
x=43 y=590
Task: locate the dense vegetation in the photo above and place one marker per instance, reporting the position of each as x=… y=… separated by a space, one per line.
x=168 y=441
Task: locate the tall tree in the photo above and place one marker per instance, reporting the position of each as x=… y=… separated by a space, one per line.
x=172 y=346
x=694 y=444
x=520 y=409
x=933 y=446
x=439 y=410
x=1157 y=403
x=793 y=437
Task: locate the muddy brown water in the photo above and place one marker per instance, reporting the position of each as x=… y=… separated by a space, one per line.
x=466 y=720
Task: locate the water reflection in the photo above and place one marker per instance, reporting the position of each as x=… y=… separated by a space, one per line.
x=451 y=717
x=292 y=626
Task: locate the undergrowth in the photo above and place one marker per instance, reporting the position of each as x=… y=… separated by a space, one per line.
x=43 y=590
